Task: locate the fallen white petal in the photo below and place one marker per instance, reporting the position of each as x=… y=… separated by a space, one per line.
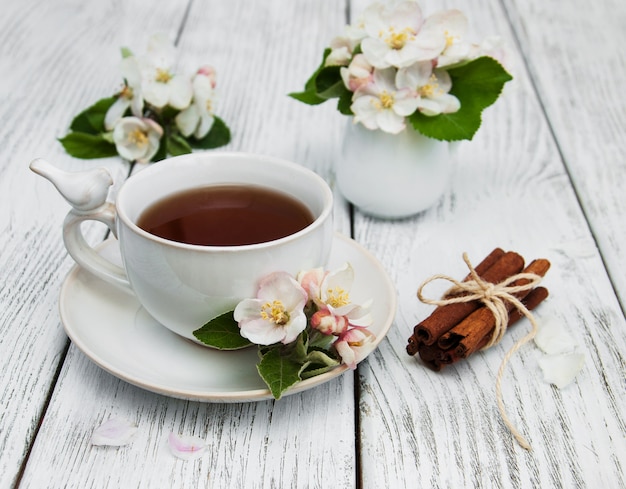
x=186 y=447
x=114 y=432
x=561 y=369
x=553 y=338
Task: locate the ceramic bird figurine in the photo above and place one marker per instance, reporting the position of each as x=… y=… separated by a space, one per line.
x=85 y=191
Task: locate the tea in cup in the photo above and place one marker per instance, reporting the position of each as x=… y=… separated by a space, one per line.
x=197 y=232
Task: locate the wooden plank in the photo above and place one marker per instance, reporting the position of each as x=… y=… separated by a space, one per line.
x=509 y=189
x=261 y=52
x=582 y=96
x=52 y=57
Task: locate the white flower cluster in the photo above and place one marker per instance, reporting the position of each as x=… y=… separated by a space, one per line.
x=401 y=63
x=151 y=85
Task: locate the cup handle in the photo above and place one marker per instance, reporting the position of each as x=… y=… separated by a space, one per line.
x=85 y=255
x=86 y=192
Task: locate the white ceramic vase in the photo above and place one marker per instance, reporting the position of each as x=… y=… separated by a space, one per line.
x=392 y=175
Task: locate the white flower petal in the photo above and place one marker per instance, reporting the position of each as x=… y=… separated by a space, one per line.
x=375 y=52
x=405 y=105
x=187 y=120
x=390 y=122
x=561 y=369
x=261 y=331
x=553 y=338
x=205 y=125
x=429 y=107
x=186 y=447
x=136 y=105
x=156 y=93
x=415 y=76
x=180 y=92
x=115 y=113
x=130 y=71
x=294 y=327
x=116 y=432
x=161 y=50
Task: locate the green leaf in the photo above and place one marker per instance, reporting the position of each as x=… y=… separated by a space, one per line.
x=310 y=83
x=477 y=85
x=87 y=146
x=320 y=341
x=481 y=81
x=300 y=347
x=126 y=52
x=161 y=153
x=91 y=120
x=459 y=125
x=345 y=102
x=318 y=357
x=309 y=95
x=328 y=83
x=279 y=372
x=222 y=332
x=314 y=371
x=219 y=135
x=177 y=145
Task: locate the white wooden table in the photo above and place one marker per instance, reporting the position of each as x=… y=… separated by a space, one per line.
x=544 y=176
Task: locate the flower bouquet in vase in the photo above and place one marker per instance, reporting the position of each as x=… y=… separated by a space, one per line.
x=411 y=85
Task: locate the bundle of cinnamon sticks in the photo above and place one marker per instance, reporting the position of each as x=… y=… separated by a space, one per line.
x=454 y=331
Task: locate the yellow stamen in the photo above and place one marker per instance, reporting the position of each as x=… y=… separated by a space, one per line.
x=397 y=40
x=209 y=106
x=163 y=76
x=126 y=92
x=275 y=312
x=337 y=297
x=449 y=39
x=385 y=100
x=138 y=138
x=431 y=88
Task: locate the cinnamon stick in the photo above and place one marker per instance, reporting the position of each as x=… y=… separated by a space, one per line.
x=444 y=318
x=532 y=300
x=435 y=358
x=470 y=332
x=414 y=343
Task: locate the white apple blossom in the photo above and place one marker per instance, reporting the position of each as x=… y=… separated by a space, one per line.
x=451 y=26
x=161 y=86
x=198 y=118
x=277 y=312
x=431 y=88
x=334 y=295
x=130 y=96
x=342 y=47
x=137 y=139
x=380 y=105
x=396 y=38
x=311 y=280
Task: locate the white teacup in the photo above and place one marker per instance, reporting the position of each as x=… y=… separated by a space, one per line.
x=183 y=285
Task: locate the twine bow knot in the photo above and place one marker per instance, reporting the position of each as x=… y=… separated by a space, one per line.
x=495 y=297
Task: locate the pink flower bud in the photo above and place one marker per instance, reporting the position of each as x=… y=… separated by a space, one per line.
x=327 y=323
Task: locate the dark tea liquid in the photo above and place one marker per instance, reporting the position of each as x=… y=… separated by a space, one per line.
x=225 y=215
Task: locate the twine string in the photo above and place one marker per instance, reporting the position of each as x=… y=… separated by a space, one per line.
x=495 y=297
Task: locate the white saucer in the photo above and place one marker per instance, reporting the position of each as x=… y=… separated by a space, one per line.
x=115 y=332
